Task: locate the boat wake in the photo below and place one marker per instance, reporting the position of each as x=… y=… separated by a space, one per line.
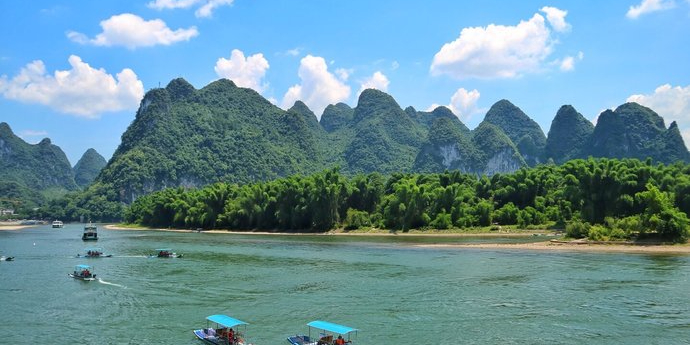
x=109 y=283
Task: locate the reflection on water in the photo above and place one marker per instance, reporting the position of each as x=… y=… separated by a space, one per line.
x=390 y=288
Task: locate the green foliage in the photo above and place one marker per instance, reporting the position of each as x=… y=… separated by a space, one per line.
x=568 y=135
x=577 y=229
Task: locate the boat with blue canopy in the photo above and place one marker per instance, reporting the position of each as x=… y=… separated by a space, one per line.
x=227 y=331
x=83 y=272
x=324 y=333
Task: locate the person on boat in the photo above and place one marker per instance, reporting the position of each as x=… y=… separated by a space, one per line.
x=231 y=336
x=341 y=341
x=86 y=273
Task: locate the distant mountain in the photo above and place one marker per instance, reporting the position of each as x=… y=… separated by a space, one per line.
x=88 y=167
x=182 y=136
x=520 y=128
x=568 y=135
x=635 y=131
x=41 y=168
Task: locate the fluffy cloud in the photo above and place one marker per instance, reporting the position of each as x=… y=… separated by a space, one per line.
x=463 y=104
x=556 y=18
x=245 y=72
x=649 y=6
x=319 y=87
x=83 y=91
x=132 y=31
x=499 y=51
x=672 y=103
x=568 y=63
x=206 y=9
x=377 y=81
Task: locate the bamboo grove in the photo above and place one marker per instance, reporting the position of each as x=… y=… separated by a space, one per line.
x=604 y=199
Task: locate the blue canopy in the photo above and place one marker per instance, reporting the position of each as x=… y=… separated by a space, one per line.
x=225 y=320
x=82 y=267
x=331 y=327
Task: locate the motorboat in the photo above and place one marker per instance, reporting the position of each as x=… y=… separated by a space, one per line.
x=94 y=253
x=226 y=331
x=90 y=232
x=324 y=333
x=165 y=253
x=58 y=224
x=83 y=272
x=6 y=258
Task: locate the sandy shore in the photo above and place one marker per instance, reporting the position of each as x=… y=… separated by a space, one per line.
x=546 y=245
x=574 y=246
x=4 y=227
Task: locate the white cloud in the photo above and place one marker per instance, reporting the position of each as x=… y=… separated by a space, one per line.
x=319 y=87
x=344 y=73
x=206 y=9
x=377 y=81
x=556 y=18
x=568 y=63
x=245 y=72
x=649 y=6
x=132 y=31
x=395 y=65
x=463 y=104
x=30 y=133
x=293 y=52
x=83 y=91
x=672 y=103
x=499 y=51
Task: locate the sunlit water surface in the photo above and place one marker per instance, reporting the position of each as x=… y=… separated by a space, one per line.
x=392 y=289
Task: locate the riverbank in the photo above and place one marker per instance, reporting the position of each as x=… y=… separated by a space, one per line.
x=375 y=232
x=549 y=244
x=11 y=226
x=575 y=246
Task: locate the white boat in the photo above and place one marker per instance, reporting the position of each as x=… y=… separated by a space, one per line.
x=90 y=232
x=58 y=224
x=6 y=258
x=83 y=272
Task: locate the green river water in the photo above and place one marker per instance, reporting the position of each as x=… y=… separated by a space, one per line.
x=390 y=288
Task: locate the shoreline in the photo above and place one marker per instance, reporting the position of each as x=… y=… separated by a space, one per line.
x=547 y=245
x=13 y=227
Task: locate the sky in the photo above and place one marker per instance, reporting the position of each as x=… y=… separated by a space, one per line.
x=75 y=71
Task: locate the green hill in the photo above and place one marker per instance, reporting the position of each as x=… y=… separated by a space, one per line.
x=88 y=167
x=520 y=128
x=35 y=171
x=568 y=135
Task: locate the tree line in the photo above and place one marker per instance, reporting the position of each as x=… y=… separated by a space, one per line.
x=603 y=199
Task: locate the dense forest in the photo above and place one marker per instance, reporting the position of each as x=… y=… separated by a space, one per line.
x=603 y=199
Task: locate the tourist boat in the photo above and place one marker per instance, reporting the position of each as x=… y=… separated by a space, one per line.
x=323 y=333
x=90 y=232
x=58 y=224
x=94 y=253
x=226 y=332
x=165 y=253
x=6 y=258
x=83 y=272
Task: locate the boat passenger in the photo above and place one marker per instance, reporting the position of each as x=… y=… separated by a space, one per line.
x=231 y=335
x=341 y=341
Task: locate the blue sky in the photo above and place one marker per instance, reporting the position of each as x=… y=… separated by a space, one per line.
x=75 y=71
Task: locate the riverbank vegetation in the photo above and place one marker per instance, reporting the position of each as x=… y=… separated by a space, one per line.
x=602 y=199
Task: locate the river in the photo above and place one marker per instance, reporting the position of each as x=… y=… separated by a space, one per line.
x=391 y=289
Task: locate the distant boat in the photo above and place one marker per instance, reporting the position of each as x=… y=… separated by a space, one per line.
x=165 y=253
x=57 y=224
x=90 y=232
x=226 y=331
x=6 y=258
x=94 y=253
x=83 y=272
x=325 y=333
